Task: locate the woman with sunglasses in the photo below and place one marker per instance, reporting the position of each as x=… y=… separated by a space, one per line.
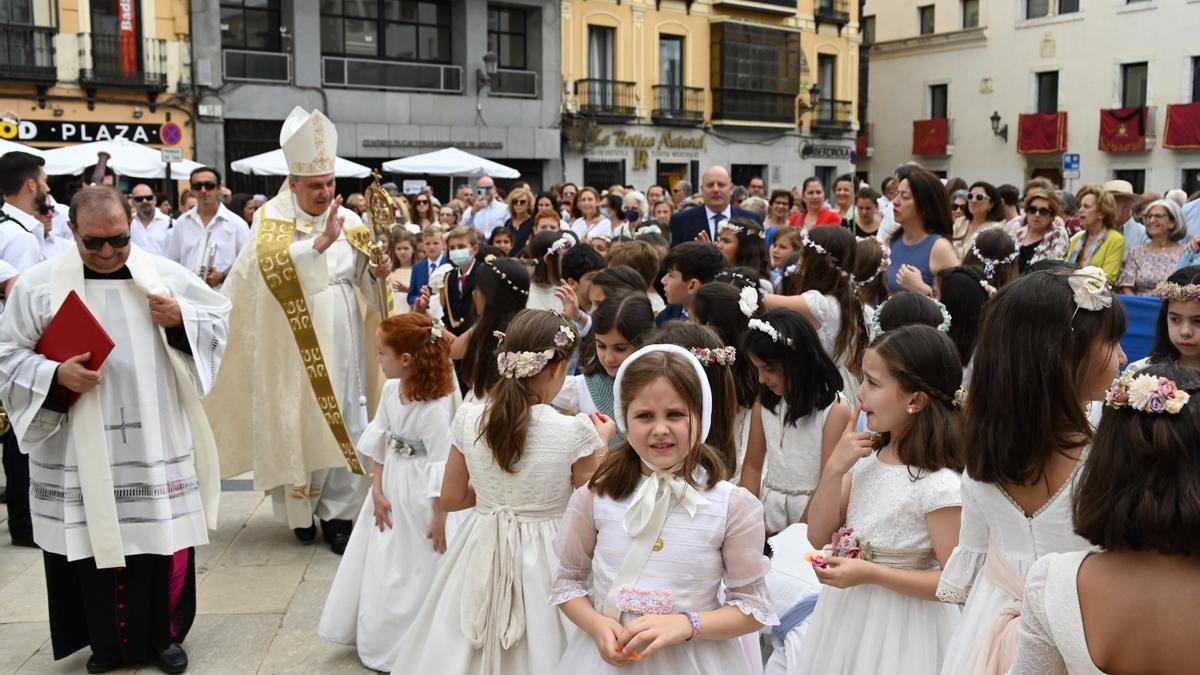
x=423 y=214
x=520 y=217
x=1041 y=237
x=983 y=209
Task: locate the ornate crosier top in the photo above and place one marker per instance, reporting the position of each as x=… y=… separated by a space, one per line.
x=738 y=229
x=1169 y=291
x=764 y=327
x=990 y=264
x=721 y=356
x=1146 y=393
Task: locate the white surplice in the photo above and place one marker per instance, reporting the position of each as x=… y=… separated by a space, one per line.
x=132 y=469
x=194 y=244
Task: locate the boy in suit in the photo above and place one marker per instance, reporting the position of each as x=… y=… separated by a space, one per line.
x=432 y=247
x=456 y=291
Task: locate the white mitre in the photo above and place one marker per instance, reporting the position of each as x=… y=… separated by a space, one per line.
x=309 y=142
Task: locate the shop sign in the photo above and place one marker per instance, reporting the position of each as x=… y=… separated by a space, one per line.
x=80 y=132
x=821 y=151
x=668 y=144
x=397 y=143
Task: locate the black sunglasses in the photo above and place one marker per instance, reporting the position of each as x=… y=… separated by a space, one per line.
x=143 y=198
x=1039 y=211
x=45 y=210
x=421 y=201
x=208 y=185
x=97 y=243
x=957 y=207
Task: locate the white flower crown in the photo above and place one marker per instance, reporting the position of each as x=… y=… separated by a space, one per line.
x=771 y=332
x=738 y=229
x=748 y=301
x=990 y=264
x=876 y=330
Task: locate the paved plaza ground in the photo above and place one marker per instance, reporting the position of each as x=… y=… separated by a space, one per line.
x=260 y=595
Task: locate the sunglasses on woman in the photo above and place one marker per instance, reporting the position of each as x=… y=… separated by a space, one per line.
x=1039 y=211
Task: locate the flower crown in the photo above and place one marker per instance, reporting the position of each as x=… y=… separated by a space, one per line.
x=1169 y=291
x=721 y=356
x=748 y=301
x=987 y=288
x=809 y=243
x=990 y=264
x=791 y=270
x=559 y=244
x=520 y=365
x=490 y=261
x=1090 y=288
x=1146 y=393
x=876 y=330
x=885 y=261
x=771 y=332
x=739 y=229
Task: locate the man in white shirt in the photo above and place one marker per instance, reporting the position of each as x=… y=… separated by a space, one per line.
x=207 y=239
x=489 y=211
x=23 y=182
x=150 y=228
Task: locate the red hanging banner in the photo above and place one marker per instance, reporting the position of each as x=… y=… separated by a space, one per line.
x=127 y=34
x=1183 y=127
x=1042 y=133
x=1123 y=129
x=931 y=137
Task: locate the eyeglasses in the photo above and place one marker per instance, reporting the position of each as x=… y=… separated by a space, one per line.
x=207 y=185
x=45 y=210
x=521 y=202
x=958 y=207
x=977 y=197
x=97 y=243
x=143 y=198
x=1039 y=211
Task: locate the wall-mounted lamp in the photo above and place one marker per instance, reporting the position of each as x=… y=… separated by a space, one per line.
x=59 y=112
x=483 y=76
x=997 y=130
x=814 y=99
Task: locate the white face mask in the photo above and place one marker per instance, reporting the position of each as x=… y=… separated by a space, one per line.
x=460 y=256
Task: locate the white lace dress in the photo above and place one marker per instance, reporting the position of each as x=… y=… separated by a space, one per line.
x=1052 y=640
x=992 y=523
x=383 y=576
x=792 y=467
x=826 y=310
x=486 y=611
x=869 y=628
x=720 y=548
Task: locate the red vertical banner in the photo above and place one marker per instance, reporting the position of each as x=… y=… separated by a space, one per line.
x=1038 y=133
x=931 y=138
x=127 y=37
x=1183 y=127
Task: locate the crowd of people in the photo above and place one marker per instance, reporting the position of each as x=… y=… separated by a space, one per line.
x=885 y=431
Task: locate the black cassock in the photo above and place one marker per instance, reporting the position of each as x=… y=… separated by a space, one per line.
x=128 y=613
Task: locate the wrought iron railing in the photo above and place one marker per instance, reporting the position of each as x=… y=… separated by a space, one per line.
x=834 y=11
x=606 y=98
x=675 y=104
x=27 y=53
x=834 y=114
x=122 y=61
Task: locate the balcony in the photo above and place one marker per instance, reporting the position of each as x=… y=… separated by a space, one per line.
x=832 y=115
x=1127 y=129
x=933 y=138
x=743 y=105
x=246 y=65
x=338 y=71
x=27 y=54
x=509 y=83
x=122 y=61
x=677 y=105
x=607 y=98
x=836 y=12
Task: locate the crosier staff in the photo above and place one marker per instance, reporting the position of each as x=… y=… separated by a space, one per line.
x=382 y=210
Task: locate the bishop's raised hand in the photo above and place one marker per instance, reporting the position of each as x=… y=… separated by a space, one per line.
x=333 y=226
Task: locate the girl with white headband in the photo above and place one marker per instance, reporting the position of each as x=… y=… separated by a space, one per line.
x=648 y=547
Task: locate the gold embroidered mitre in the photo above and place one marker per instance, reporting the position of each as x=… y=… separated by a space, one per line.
x=309 y=141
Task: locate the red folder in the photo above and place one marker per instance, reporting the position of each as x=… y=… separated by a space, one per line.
x=74 y=330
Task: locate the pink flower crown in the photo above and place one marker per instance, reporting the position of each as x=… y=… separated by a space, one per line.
x=1169 y=291
x=721 y=356
x=1146 y=393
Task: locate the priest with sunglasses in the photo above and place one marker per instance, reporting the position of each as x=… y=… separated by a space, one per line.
x=124 y=475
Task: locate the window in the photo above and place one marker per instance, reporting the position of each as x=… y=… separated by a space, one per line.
x=868 y=30
x=670 y=57
x=939 y=101
x=925 y=19
x=1136 y=178
x=506 y=36
x=1036 y=9
x=970 y=13
x=600 y=53
x=396 y=30
x=1134 y=80
x=827 y=175
x=1068 y=6
x=1191 y=181
x=754 y=72
x=603 y=172
x=1195 y=80
x=827 y=75
x=250 y=24
x=1047 y=92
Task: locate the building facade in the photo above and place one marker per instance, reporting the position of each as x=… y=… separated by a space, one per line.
x=654 y=91
x=1000 y=90
x=84 y=70
x=398 y=77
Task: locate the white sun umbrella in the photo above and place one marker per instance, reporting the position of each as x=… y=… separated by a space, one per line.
x=450 y=162
x=126 y=158
x=8 y=146
x=273 y=163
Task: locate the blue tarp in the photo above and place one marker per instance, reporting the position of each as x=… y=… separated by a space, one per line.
x=1142 y=318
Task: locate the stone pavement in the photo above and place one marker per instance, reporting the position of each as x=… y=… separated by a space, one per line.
x=259 y=598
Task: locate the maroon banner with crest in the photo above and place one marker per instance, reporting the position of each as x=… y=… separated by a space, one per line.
x=1123 y=129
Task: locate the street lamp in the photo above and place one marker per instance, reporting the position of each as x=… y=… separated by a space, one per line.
x=483 y=76
x=997 y=130
x=814 y=96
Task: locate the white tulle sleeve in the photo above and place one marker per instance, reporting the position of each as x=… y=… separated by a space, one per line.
x=966 y=561
x=745 y=565
x=574 y=545
x=436 y=437
x=1037 y=653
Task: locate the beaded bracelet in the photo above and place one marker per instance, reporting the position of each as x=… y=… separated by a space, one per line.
x=694 y=617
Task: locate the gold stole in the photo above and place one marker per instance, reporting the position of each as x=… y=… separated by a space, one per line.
x=275 y=238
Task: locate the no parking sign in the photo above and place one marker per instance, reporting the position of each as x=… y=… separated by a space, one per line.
x=170 y=133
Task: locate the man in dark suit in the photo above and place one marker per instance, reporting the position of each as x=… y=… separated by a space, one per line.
x=432 y=246
x=704 y=222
